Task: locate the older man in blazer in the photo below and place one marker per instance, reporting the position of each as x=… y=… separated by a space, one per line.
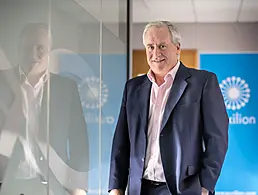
x=172 y=132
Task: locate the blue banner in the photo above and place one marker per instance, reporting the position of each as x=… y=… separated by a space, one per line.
x=238 y=82
x=100 y=88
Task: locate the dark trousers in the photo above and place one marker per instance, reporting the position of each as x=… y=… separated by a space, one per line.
x=154 y=188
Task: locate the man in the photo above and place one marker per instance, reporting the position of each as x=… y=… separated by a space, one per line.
x=165 y=118
x=38 y=108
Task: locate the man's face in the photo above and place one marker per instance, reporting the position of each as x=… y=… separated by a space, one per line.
x=34 y=49
x=162 y=54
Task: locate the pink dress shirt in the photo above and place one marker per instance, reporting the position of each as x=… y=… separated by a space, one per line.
x=158 y=99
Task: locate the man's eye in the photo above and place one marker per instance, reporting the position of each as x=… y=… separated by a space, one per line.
x=162 y=47
x=40 y=48
x=150 y=47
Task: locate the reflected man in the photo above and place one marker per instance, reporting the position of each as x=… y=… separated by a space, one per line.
x=37 y=108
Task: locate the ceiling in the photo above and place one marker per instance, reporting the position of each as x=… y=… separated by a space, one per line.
x=192 y=11
x=176 y=11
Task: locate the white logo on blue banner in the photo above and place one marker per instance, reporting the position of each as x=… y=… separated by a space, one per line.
x=101 y=97
x=235 y=92
x=236 y=75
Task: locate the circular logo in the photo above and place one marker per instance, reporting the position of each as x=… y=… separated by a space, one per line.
x=93 y=92
x=236 y=92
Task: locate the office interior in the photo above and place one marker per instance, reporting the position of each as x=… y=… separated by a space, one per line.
x=97 y=45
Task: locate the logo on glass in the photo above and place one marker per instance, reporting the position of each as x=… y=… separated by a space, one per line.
x=94 y=93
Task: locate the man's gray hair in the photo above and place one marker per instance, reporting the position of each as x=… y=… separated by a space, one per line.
x=32 y=28
x=175 y=35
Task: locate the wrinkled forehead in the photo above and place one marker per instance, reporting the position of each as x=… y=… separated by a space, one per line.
x=37 y=35
x=157 y=35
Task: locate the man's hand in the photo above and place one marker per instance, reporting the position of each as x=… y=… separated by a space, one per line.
x=78 y=192
x=205 y=192
x=116 y=192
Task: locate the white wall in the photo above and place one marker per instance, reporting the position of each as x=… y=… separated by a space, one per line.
x=211 y=37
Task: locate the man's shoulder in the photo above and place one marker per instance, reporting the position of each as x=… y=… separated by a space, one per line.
x=61 y=80
x=137 y=81
x=201 y=74
x=8 y=74
x=7 y=71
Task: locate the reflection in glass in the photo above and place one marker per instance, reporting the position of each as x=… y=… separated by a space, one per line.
x=69 y=72
x=40 y=108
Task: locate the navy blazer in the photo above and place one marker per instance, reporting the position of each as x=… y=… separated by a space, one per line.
x=193 y=136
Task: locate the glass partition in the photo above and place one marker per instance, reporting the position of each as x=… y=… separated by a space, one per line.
x=24 y=84
x=63 y=68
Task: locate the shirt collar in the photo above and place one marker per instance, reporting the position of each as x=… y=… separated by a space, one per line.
x=171 y=73
x=23 y=76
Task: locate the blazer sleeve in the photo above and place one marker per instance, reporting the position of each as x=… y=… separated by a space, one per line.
x=120 y=152
x=215 y=134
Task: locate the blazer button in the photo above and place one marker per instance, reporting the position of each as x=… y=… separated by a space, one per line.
x=143 y=159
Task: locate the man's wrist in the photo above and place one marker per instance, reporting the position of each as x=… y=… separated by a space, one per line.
x=205 y=191
x=116 y=192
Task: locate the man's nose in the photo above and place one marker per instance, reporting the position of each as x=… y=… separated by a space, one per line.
x=156 y=52
x=37 y=55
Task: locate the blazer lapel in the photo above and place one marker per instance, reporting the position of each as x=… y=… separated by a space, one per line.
x=43 y=115
x=178 y=88
x=144 y=101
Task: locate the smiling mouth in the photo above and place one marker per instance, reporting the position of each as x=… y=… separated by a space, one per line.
x=158 y=61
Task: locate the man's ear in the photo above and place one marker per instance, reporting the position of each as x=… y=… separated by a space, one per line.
x=178 y=46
